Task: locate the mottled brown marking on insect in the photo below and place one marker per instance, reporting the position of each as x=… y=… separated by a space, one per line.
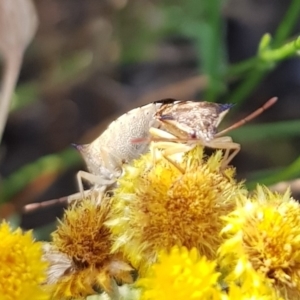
x=188 y=123
x=191 y=120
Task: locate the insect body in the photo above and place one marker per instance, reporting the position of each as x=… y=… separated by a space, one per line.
x=106 y=155
x=177 y=126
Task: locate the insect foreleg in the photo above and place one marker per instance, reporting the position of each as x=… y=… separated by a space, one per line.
x=94 y=179
x=168 y=149
x=225 y=143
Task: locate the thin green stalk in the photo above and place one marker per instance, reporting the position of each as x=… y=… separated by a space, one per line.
x=286 y=26
x=214 y=57
x=240 y=68
x=284 y=52
x=260 y=71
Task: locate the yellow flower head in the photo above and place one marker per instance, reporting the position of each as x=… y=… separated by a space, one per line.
x=159 y=204
x=79 y=255
x=265 y=230
x=181 y=274
x=22 y=270
x=250 y=285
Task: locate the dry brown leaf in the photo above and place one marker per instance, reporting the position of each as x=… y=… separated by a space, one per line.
x=18 y=24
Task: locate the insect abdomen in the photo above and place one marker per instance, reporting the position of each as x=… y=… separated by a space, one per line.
x=115 y=147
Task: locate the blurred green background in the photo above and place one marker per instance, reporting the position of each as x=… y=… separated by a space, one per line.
x=93 y=60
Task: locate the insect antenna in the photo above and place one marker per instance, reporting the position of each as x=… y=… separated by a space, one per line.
x=250 y=117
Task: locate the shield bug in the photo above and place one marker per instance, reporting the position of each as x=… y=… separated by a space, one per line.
x=176 y=126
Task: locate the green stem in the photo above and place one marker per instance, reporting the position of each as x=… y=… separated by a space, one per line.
x=240 y=68
x=259 y=72
x=214 y=60
x=289 y=21
x=284 y=52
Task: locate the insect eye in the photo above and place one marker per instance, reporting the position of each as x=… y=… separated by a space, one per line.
x=193 y=134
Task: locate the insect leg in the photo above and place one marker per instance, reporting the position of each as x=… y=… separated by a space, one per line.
x=167 y=142
x=228 y=158
x=94 y=179
x=225 y=143
x=29 y=208
x=169 y=149
x=67 y=200
x=161 y=134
